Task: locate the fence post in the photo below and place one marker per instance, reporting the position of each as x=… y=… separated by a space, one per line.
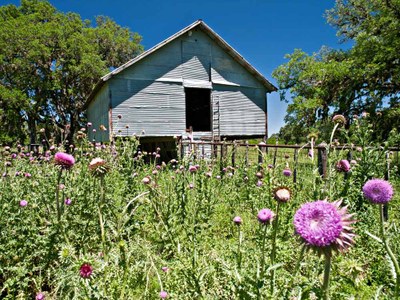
x=322 y=160
x=234 y=153
x=295 y=158
x=181 y=149
x=215 y=150
x=261 y=150
x=275 y=153
x=246 y=155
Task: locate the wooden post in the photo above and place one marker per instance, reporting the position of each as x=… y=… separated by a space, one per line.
x=233 y=153
x=295 y=159
x=322 y=160
x=202 y=150
x=246 y=157
x=222 y=154
x=275 y=153
x=181 y=149
x=261 y=150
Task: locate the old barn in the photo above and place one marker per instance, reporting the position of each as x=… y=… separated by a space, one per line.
x=193 y=83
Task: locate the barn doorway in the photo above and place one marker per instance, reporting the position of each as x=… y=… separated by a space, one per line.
x=198 y=109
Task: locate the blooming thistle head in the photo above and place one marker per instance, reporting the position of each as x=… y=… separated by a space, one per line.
x=146 y=180
x=339 y=119
x=282 y=194
x=68 y=201
x=23 y=203
x=64 y=160
x=343 y=166
x=40 y=296
x=265 y=216
x=163 y=294
x=165 y=269
x=86 y=270
x=237 y=220
x=287 y=172
x=378 y=191
x=98 y=167
x=324 y=226
x=192 y=169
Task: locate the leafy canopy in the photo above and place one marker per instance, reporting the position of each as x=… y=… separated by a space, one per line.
x=49 y=63
x=365 y=78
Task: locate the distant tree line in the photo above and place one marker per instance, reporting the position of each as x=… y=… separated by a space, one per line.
x=363 y=80
x=49 y=63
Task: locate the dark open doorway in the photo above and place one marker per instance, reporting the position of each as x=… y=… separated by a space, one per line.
x=198 y=109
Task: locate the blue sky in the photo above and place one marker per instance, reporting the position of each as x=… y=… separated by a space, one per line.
x=262 y=31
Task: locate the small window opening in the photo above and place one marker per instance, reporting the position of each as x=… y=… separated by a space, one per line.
x=198 y=109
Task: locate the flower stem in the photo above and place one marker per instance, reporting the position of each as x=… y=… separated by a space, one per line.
x=239 y=253
x=260 y=281
x=327 y=273
x=58 y=196
x=273 y=251
x=100 y=204
x=389 y=251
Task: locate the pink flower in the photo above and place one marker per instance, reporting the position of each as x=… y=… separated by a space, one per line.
x=378 y=191
x=343 y=166
x=68 y=201
x=324 y=225
x=165 y=269
x=237 y=220
x=163 y=294
x=23 y=203
x=40 y=296
x=64 y=160
x=265 y=216
x=85 y=270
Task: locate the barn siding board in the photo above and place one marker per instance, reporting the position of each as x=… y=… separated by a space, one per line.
x=241 y=110
x=98 y=115
x=148 y=108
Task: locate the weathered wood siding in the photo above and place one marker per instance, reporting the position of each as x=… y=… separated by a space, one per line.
x=150 y=94
x=241 y=110
x=97 y=114
x=147 y=108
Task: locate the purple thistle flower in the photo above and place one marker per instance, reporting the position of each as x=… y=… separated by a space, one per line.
x=324 y=225
x=163 y=294
x=378 y=191
x=68 y=201
x=165 y=269
x=237 y=220
x=40 y=296
x=28 y=175
x=265 y=216
x=259 y=183
x=23 y=203
x=287 y=172
x=343 y=166
x=86 y=270
x=192 y=169
x=66 y=161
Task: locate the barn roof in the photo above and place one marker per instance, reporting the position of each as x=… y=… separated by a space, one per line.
x=211 y=33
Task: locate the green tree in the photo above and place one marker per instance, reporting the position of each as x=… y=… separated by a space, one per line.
x=49 y=63
x=365 y=78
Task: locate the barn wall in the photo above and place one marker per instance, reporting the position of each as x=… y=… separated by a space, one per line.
x=148 y=108
x=241 y=110
x=97 y=114
x=150 y=94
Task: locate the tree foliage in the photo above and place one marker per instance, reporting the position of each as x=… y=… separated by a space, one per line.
x=364 y=78
x=49 y=63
